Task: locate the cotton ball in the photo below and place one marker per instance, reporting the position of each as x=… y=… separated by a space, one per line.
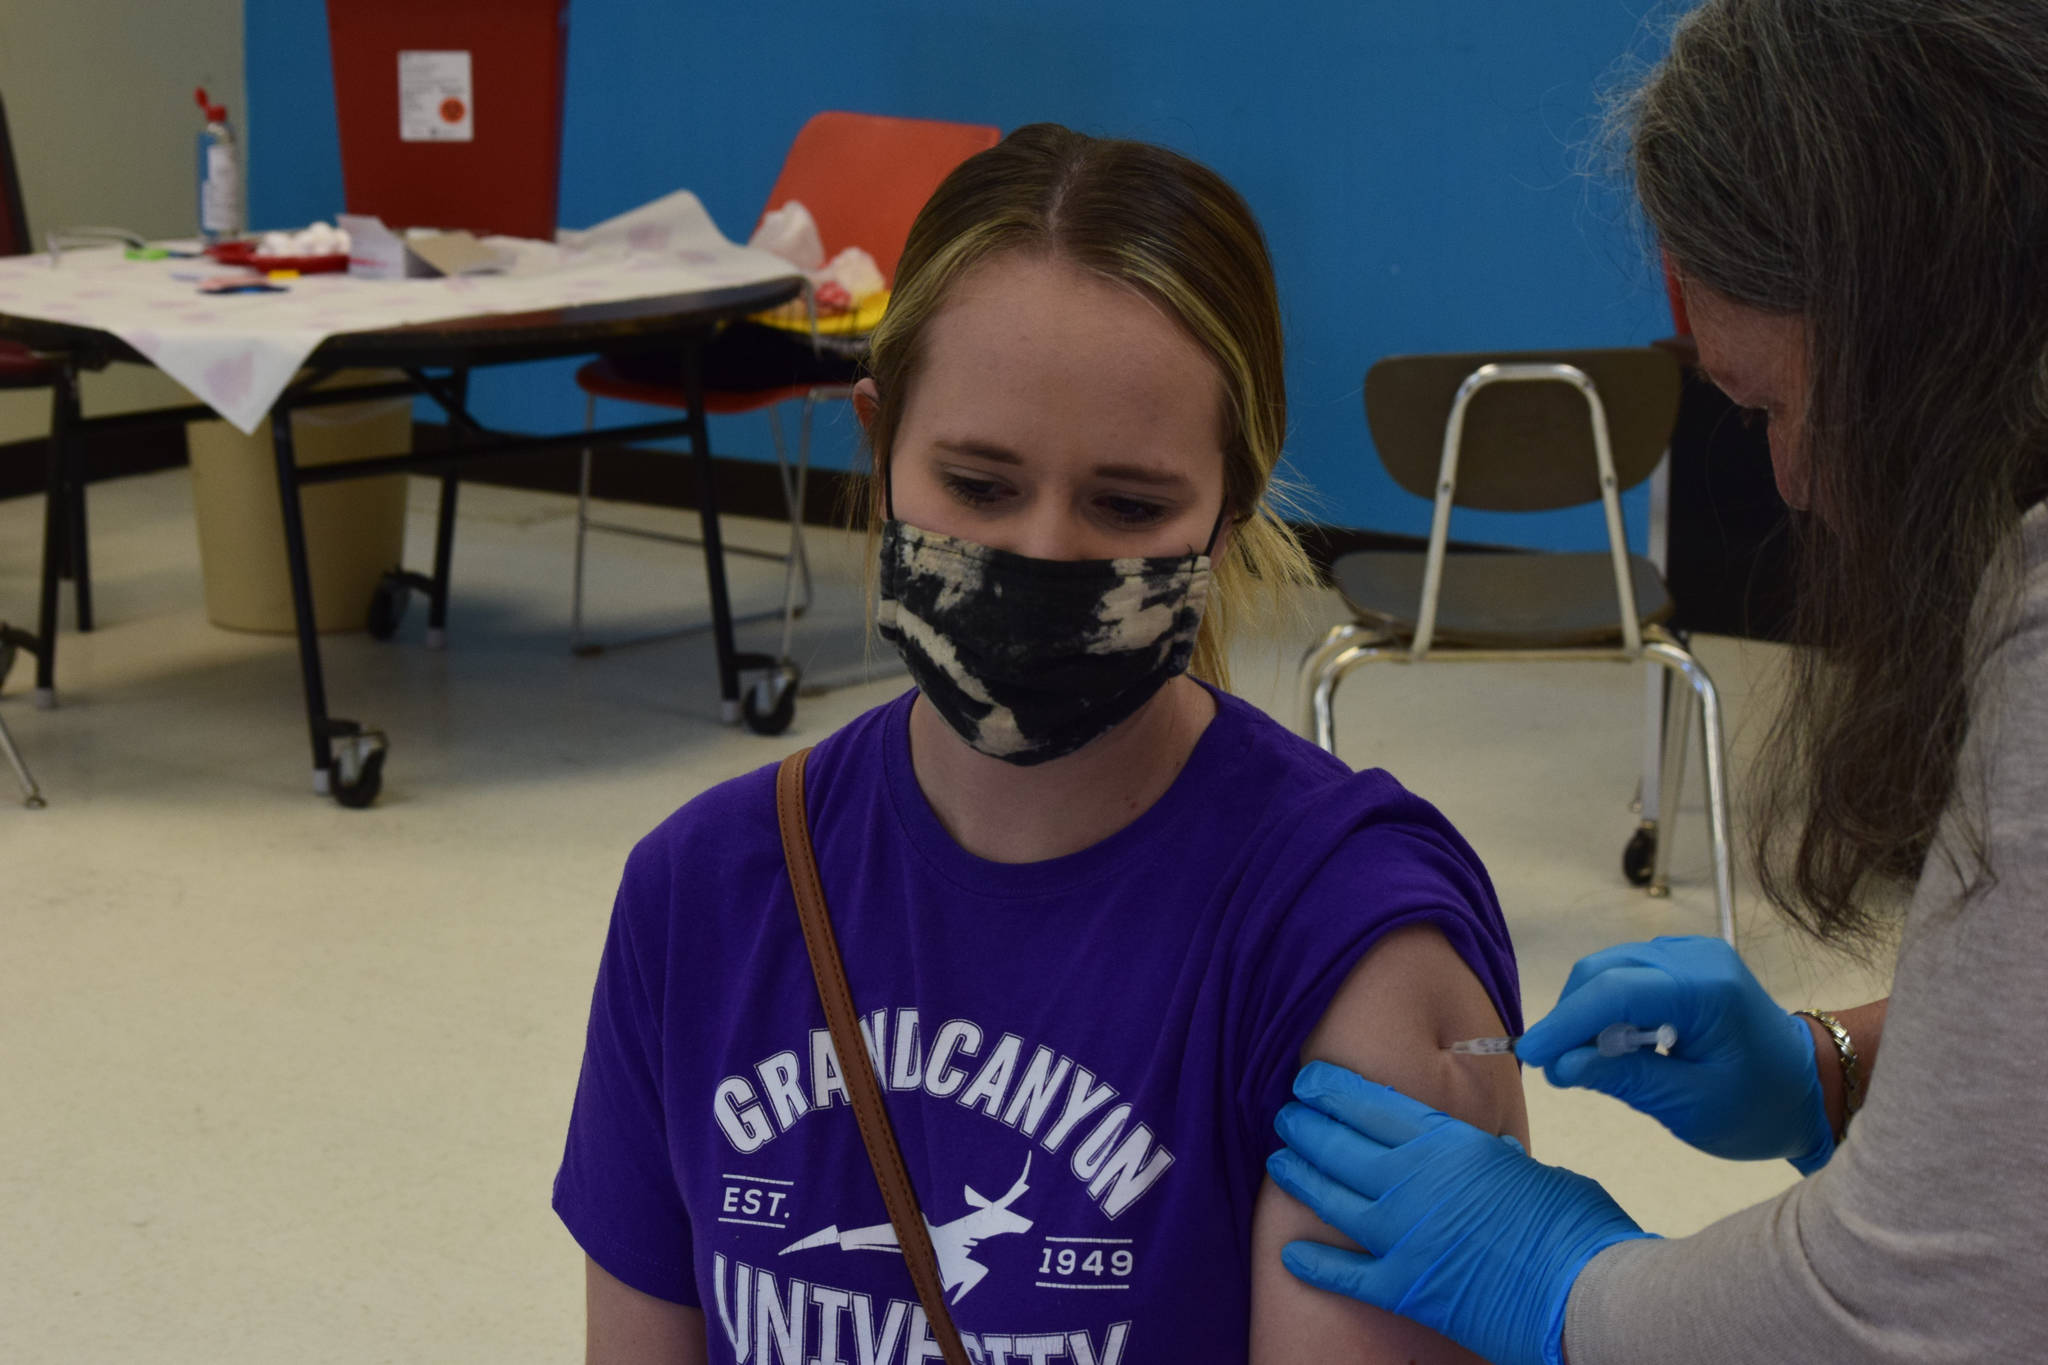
x=857 y=271
x=275 y=244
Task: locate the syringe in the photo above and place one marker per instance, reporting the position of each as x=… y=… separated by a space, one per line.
x=1616 y=1040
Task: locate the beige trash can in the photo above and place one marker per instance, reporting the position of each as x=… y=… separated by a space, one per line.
x=355 y=530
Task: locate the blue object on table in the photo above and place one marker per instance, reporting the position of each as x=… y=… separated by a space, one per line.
x=241 y=287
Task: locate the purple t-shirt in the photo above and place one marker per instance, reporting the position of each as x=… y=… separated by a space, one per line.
x=1081 y=1057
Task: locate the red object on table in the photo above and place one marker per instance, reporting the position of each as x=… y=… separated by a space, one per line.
x=244 y=253
x=506 y=179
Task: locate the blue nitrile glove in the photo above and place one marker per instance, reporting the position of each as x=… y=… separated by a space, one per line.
x=1742 y=1081
x=1463 y=1232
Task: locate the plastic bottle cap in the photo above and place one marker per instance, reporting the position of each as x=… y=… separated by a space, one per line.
x=214 y=112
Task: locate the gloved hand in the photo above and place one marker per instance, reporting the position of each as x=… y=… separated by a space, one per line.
x=1742 y=1081
x=1463 y=1232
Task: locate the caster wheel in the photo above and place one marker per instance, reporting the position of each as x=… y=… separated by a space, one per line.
x=362 y=792
x=1638 y=859
x=770 y=704
x=387 y=606
x=358 y=767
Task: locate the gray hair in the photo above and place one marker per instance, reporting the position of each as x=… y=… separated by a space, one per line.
x=1879 y=168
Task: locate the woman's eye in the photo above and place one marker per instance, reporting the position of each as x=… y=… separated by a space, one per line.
x=974 y=492
x=1131 y=511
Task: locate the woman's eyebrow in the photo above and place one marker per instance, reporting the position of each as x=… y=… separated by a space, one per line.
x=983 y=450
x=1134 y=473
x=996 y=454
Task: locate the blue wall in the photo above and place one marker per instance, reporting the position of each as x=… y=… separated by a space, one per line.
x=1412 y=162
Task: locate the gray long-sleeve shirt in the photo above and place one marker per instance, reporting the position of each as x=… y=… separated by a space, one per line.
x=1925 y=1239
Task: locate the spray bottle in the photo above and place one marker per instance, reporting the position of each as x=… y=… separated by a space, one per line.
x=220 y=176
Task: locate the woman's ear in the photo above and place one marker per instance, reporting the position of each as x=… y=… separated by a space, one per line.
x=867 y=404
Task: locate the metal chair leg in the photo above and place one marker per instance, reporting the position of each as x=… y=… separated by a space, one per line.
x=797 y=541
x=31 y=797
x=798 y=585
x=582 y=530
x=796 y=572
x=1322 y=711
x=1333 y=643
x=817 y=394
x=1323 y=695
x=1656 y=725
x=1676 y=738
x=1713 y=742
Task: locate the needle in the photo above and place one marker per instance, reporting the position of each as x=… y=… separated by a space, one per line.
x=1616 y=1040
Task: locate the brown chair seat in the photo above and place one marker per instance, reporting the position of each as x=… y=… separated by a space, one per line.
x=1502 y=601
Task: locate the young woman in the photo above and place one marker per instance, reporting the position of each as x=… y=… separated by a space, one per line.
x=1855 y=195
x=1094 y=910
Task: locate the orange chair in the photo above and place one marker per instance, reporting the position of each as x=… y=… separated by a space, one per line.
x=863 y=177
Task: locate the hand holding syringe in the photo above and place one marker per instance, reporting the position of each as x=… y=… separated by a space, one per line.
x=1616 y=1040
x=1734 y=1073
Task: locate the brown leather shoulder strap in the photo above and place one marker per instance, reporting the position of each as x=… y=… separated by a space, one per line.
x=912 y=1233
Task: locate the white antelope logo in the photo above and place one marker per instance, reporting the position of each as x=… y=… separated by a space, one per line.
x=950 y=1241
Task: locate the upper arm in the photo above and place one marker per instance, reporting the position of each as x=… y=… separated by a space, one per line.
x=1390 y=1020
x=616 y=1191
x=623 y=1326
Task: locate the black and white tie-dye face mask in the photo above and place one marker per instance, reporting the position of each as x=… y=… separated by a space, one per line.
x=1029 y=659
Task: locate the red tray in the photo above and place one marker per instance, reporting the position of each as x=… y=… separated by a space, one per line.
x=244 y=253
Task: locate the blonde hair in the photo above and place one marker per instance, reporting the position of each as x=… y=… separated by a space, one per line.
x=1146 y=217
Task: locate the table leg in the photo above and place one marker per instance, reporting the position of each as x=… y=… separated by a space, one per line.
x=63 y=423
x=302 y=597
x=74 y=539
x=714 y=546
x=444 y=529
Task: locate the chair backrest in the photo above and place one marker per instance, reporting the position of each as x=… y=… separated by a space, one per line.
x=14 y=239
x=1526 y=447
x=865 y=176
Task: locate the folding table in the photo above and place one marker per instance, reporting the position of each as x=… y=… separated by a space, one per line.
x=663 y=282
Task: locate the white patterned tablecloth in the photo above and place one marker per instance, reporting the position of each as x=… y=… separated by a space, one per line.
x=238 y=352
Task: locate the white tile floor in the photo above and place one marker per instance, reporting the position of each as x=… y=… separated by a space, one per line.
x=280 y=1081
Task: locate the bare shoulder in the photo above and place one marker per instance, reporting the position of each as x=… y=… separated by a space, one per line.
x=1390 y=1021
x=1404 y=1002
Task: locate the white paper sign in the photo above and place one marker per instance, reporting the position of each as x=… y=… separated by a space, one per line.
x=436 y=102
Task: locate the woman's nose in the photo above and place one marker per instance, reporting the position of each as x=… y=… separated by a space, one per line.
x=1051 y=531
